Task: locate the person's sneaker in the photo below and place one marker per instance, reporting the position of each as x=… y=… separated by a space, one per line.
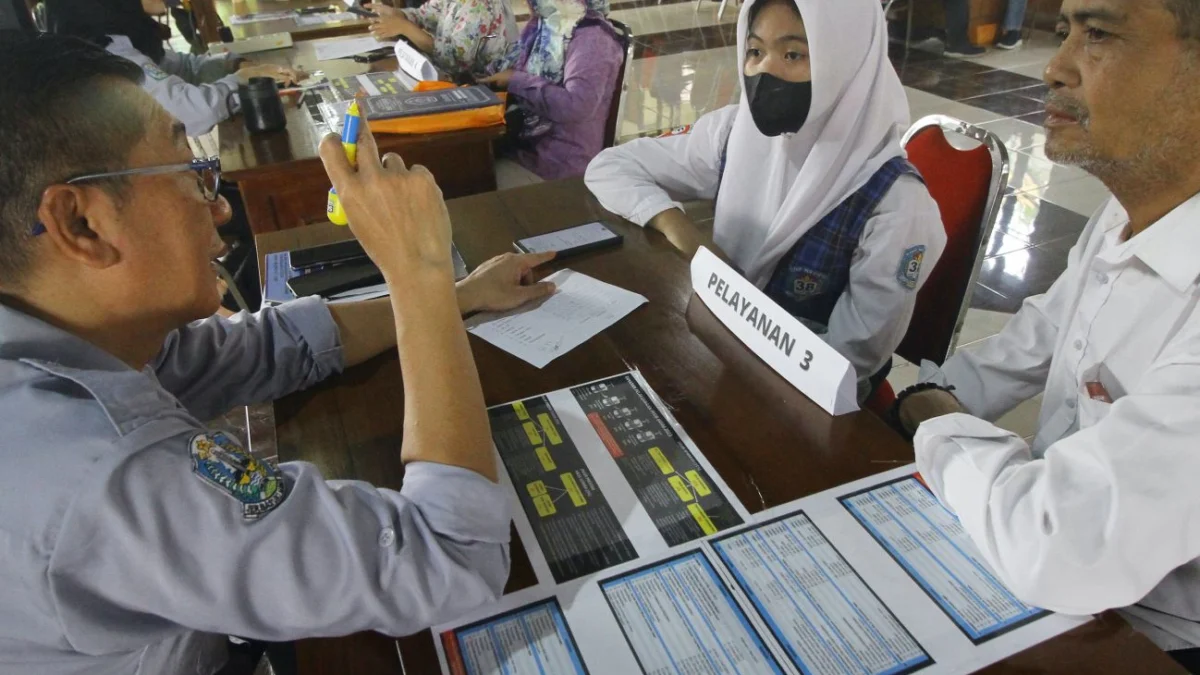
x=1010 y=40
x=967 y=51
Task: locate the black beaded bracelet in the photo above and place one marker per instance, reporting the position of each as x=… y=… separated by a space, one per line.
x=893 y=414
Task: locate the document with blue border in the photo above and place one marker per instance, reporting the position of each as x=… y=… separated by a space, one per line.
x=870 y=578
x=930 y=544
x=817 y=606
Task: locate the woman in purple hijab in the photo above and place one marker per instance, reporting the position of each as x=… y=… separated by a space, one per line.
x=563 y=83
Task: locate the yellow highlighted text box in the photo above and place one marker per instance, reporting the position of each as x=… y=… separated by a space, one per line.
x=551 y=431
x=544 y=505
x=573 y=490
x=660 y=459
x=702 y=518
x=522 y=413
x=681 y=488
x=532 y=432
x=698 y=483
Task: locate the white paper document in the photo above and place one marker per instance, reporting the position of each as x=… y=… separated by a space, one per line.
x=347 y=47
x=580 y=308
x=242 y=19
x=324 y=18
x=414 y=63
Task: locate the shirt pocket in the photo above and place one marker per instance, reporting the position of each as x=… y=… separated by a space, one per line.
x=1091 y=411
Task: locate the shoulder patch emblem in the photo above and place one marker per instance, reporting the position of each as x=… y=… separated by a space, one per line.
x=220 y=461
x=909 y=272
x=154 y=72
x=677 y=131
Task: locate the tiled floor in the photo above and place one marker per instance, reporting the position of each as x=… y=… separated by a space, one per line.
x=685 y=65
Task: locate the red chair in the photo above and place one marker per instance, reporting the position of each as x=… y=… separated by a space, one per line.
x=968 y=186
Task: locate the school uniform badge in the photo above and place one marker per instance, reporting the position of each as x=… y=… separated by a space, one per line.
x=677 y=131
x=909 y=271
x=807 y=283
x=220 y=461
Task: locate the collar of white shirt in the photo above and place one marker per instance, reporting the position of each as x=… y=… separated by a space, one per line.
x=1168 y=247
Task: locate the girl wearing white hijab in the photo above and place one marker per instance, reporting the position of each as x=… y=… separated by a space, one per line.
x=815 y=201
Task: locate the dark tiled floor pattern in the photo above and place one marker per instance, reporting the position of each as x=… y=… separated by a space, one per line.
x=1027 y=252
x=999 y=91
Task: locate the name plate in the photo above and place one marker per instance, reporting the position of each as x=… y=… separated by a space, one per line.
x=413 y=63
x=776 y=337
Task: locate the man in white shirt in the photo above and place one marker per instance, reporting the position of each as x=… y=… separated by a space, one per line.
x=1103 y=511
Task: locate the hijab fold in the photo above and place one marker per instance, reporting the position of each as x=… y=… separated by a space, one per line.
x=774 y=190
x=95 y=20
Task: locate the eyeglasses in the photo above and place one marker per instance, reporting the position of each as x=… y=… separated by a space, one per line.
x=208 y=176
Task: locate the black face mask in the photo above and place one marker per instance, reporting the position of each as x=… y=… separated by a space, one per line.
x=778 y=106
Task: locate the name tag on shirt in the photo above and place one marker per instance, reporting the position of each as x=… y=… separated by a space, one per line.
x=1097 y=392
x=775 y=336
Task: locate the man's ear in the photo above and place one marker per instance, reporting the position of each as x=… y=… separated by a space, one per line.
x=75 y=218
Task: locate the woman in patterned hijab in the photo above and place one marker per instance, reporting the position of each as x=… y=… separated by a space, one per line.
x=563 y=83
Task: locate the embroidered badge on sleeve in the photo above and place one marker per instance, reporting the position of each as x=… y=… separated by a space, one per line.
x=807 y=283
x=220 y=461
x=154 y=72
x=909 y=271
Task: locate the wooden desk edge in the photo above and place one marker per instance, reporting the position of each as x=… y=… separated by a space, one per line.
x=387 y=143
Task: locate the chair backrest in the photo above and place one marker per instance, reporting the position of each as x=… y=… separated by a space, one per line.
x=16 y=15
x=968 y=186
x=614 y=107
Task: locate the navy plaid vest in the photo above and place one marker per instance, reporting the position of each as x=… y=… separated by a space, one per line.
x=810 y=278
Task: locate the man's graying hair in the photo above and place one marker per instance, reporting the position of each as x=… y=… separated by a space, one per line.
x=60 y=116
x=1187 y=15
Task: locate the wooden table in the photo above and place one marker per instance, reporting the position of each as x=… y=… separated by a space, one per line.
x=227 y=9
x=769 y=443
x=280 y=174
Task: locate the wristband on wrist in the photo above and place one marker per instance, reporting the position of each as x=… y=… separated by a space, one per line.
x=893 y=414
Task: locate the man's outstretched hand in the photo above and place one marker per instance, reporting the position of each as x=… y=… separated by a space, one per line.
x=504 y=282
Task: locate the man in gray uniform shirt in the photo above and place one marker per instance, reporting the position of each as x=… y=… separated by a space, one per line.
x=132 y=538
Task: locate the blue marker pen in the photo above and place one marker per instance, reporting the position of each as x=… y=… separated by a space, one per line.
x=333 y=208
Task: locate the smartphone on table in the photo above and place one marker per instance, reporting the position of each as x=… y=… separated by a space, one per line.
x=359 y=11
x=304 y=259
x=571 y=241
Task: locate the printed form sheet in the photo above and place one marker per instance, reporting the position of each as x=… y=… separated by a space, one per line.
x=814 y=601
x=868 y=578
x=603 y=474
x=678 y=616
x=533 y=639
x=580 y=309
x=928 y=541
